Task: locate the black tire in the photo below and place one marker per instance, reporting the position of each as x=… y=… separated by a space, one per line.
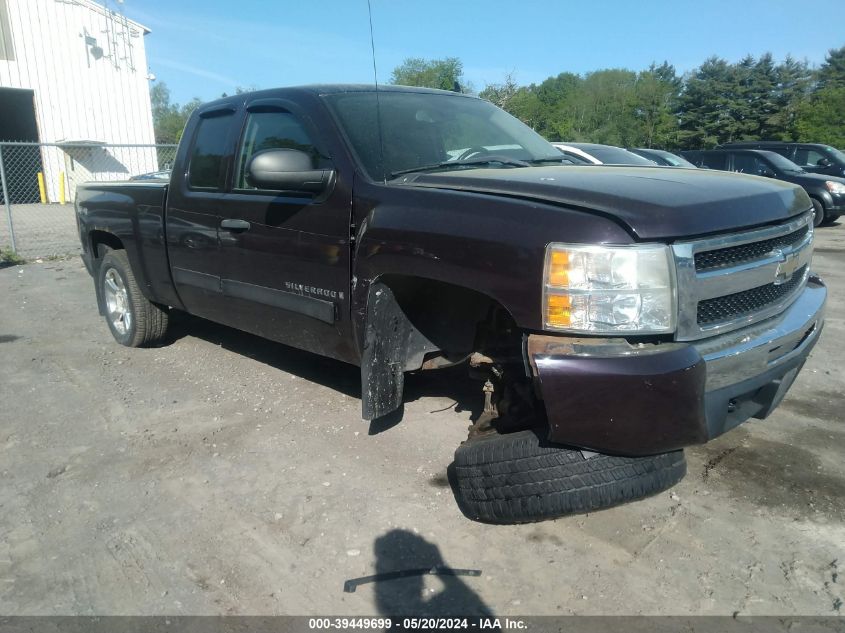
x=147 y=323
x=818 y=212
x=520 y=478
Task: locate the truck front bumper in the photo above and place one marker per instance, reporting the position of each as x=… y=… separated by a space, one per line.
x=611 y=396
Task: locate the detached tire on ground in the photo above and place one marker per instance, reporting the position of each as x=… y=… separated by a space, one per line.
x=519 y=478
x=133 y=319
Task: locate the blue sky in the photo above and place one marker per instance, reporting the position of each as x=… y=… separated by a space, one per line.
x=202 y=48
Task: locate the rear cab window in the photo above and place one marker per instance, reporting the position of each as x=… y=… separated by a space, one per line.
x=206 y=166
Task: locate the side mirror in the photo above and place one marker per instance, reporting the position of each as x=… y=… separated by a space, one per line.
x=287 y=170
x=823 y=162
x=767 y=173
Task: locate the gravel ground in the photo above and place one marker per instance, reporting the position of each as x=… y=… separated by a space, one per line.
x=222 y=474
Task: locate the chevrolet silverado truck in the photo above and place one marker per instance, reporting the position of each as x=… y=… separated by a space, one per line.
x=611 y=315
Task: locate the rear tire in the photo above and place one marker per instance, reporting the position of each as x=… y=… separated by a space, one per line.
x=520 y=478
x=133 y=319
x=818 y=213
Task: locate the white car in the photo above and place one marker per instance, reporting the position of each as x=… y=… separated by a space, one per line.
x=601 y=154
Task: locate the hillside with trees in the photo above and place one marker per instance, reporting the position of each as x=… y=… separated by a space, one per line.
x=717 y=102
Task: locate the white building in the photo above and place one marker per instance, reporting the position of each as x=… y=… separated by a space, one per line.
x=75 y=71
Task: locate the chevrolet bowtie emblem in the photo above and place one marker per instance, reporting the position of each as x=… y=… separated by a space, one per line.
x=786 y=267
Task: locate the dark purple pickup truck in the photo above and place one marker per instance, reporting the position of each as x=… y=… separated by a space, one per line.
x=611 y=315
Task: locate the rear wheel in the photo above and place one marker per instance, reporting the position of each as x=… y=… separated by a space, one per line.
x=134 y=320
x=520 y=478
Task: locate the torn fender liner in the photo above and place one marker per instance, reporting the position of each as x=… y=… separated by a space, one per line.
x=383 y=362
x=392 y=346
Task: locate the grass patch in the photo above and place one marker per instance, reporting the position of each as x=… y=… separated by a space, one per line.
x=8 y=257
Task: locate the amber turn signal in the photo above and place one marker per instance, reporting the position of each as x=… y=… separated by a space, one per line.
x=558 y=310
x=559 y=269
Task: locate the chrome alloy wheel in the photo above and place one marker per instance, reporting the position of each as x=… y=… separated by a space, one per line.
x=117 y=302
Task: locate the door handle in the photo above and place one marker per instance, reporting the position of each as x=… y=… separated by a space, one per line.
x=235 y=225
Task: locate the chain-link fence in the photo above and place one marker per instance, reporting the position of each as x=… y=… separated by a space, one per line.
x=38 y=186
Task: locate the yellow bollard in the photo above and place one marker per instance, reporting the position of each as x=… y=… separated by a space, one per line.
x=41 y=188
x=61 y=187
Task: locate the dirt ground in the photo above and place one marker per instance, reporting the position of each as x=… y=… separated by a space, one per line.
x=222 y=474
x=41 y=230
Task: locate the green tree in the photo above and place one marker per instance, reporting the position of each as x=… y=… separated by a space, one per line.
x=501 y=94
x=711 y=107
x=602 y=108
x=792 y=86
x=169 y=118
x=655 y=101
x=557 y=99
x=445 y=74
x=832 y=71
x=526 y=106
x=821 y=119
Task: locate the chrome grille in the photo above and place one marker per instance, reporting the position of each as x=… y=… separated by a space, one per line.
x=731 y=281
x=724 y=257
x=746 y=302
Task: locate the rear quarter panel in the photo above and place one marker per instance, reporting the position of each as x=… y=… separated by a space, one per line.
x=134 y=213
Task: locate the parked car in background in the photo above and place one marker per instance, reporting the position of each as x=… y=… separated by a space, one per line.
x=602 y=154
x=164 y=174
x=826 y=192
x=576 y=154
x=661 y=157
x=813 y=157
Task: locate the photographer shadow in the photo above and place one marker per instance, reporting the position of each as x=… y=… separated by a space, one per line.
x=400 y=587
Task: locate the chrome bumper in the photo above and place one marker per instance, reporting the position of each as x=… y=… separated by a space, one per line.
x=744 y=354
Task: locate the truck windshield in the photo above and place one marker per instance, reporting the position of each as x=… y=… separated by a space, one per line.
x=422 y=131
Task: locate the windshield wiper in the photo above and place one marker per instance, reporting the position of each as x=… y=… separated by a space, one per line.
x=446 y=164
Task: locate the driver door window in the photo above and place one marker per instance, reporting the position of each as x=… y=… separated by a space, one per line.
x=271 y=130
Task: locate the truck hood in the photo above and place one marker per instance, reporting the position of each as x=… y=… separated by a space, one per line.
x=651 y=202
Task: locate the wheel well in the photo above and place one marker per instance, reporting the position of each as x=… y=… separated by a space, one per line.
x=101 y=241
x=454 y=320
x=414 y=323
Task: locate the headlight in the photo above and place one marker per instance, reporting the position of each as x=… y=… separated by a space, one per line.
x=834 y=187
x=609 y=289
